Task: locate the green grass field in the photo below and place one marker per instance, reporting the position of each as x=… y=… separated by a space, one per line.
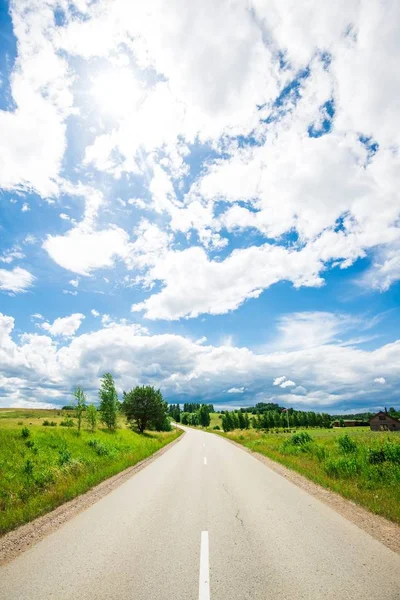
x=42 y=467
x=365 y=470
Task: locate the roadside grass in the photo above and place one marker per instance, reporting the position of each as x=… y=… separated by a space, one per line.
x=215 y=419
x=359 y=464
x=42 y=467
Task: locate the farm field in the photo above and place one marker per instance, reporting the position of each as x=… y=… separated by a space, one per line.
x=43 y=466
x=359 y=464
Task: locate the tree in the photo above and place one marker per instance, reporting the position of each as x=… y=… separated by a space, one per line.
x=174 y=411
x=204 y=415
x=109 y=403
x=91 y=417
x=79 y=405
x=227 y=421
x=145 y=407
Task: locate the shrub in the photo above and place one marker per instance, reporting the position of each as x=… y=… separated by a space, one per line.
x=344 y=467
x=376 y=456
x=25 y=433
x=28 y=467
x=216 y=427
x=320 y=452
x=392 y=452
x=67 y=422
x=20 y=422
x=98 y=447
x=299 y=439
x=64 y=456
x=47 y=423
x=346 y=444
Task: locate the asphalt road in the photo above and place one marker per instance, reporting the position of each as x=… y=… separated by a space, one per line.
x=205 y=520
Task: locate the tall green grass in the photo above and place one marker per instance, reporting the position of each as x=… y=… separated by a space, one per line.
x=363 y=466
x=45 y=467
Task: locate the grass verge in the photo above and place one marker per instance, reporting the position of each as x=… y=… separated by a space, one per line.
x=41 y=468
x=362 y=466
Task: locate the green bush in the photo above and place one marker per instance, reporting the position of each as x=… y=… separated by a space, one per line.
x=392 y=452
x=28 y=467
x=67 y=422
x=216 y=427
x=25 y=433
x=320 y=452
x=376 y=456
x=299 y=439
x=344 y=467
x=346 y=444
x=100 y=448
x=47 y=423
x=64 y=456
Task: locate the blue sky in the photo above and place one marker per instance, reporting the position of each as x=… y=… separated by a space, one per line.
x=206 y=201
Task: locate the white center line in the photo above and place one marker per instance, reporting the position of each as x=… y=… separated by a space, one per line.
x=204 y=578
x=205 y=460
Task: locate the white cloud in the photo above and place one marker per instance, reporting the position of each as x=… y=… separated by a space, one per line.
x=381 y=380
x=25 y=207
x=195 y=284
x=74 y=282
x=234 y=390
x=33 y=135
x=314 y=328
x=16 y=280
x=82 y=251
x=279 y=380
x=64 y=326
x=95 y=313
x=287 y=383
x=333 y=376
x=10 y=255
x=70 y=293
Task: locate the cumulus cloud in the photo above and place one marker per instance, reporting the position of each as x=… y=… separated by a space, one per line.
x=234 y=390
x=333 y=376
x=194 y=284
x=82 y=251
x=64 y=326
x=16 y=280
x=287 y=383
x=381 y=380
x=283 y=382
x=33 y=135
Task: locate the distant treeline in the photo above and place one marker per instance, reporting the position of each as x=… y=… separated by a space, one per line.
x=272 y=419
x=264 y=415
x=192 y=414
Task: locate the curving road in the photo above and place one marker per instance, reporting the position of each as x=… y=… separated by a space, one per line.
x=205 y=520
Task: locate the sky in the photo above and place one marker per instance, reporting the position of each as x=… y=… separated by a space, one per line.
x=203 y=197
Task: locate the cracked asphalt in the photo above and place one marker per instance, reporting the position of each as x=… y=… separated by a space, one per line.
x=268 y=539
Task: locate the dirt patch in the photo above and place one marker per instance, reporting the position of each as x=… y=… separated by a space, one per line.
x=17 y=541
x=381 y=529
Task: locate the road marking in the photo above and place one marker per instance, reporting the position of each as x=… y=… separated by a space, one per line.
x=205 y=460
x=204 y=578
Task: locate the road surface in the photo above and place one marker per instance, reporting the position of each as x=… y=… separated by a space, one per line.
x=206 y=520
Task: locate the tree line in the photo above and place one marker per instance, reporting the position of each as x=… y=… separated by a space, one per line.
x=272 y=419
x=143 y=406
x=192 y=414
